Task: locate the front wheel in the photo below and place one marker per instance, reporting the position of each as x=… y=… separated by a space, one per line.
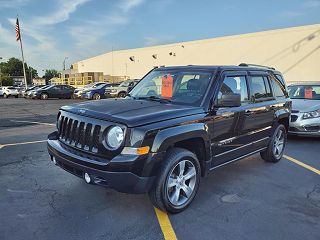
x=177 y=182
x=276 y=146
x=5 y=95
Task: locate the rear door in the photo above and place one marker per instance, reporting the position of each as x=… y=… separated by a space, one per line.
x=260 y=116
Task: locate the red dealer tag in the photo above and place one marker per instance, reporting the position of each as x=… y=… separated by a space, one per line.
x=308 y=93
x=167 y=85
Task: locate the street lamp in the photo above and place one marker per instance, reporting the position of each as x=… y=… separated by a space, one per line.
x=64 y=63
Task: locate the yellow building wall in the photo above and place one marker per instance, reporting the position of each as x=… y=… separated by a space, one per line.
x=294 y=51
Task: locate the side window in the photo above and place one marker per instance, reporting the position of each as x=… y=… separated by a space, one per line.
x=260 y=87
x=277 y=89
x=235 y=84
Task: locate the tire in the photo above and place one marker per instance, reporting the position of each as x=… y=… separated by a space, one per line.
x=122 y=95
x=5 y=95
x=276 y=146
x=96 y=96
x=162 y=195
x=44 y=96
x=16 y=96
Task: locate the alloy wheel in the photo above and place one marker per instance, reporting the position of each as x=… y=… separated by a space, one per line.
x=278 y=144
x=181 y=182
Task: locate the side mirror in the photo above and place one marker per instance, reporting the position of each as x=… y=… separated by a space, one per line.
x=229 y=100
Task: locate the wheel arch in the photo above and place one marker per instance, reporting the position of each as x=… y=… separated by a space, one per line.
x=192 y=137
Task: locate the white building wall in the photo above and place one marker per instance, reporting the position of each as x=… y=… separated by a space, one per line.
x=294 y=51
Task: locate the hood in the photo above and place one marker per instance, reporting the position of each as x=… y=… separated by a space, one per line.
x=305 y=105
x=131 y=112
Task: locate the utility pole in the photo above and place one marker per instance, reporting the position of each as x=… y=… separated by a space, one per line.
x=64 y=63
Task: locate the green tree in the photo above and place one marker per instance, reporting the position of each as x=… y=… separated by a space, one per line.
x=13 y=67
x=50 y=73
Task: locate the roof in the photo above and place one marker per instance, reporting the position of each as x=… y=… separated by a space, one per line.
x=222 y=67
x=305 y=83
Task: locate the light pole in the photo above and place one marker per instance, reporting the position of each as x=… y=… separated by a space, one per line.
x=64 y=63
x=0 y=74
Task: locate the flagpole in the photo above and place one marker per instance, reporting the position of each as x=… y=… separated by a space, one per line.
x=24 y=69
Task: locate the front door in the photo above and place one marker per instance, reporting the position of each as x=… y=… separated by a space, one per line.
x=228 y=138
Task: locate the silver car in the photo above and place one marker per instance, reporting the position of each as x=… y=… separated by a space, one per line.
x=305 y=116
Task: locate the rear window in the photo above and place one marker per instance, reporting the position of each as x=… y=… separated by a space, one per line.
x=260 y=87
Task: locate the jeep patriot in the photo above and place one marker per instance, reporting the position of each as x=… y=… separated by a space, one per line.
x=174 y=126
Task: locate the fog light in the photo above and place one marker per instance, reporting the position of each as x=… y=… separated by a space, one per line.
x=87 y=178
x=54 y=160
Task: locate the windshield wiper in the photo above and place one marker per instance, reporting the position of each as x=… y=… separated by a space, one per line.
x=157 y=99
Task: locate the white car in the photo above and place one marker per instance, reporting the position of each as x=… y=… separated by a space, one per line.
x=10 y=91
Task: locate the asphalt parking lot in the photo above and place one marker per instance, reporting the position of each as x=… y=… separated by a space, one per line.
x=249 y=199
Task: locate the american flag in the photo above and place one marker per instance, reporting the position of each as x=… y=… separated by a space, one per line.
x=18 y=36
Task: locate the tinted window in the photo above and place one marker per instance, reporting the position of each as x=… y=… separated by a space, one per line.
x=260 y=87
x=311 y=92
x=278 y=90
x=177 y=86
x=235 y=84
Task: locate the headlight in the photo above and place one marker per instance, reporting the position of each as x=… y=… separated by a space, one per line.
x=313 y=114
x=114 y=137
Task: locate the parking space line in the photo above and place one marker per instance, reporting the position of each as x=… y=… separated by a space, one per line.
x=40 y=123
x=165 y=225
x=22 y=143
x=302 y=164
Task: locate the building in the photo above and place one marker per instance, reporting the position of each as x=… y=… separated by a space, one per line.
x=294 y=51
x=18 y=81
x=38 y=81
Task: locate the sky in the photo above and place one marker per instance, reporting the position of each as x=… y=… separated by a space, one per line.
x=78 y=29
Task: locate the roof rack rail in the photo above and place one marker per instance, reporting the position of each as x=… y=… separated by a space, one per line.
x=255 y=65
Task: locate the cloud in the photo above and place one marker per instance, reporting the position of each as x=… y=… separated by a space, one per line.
x=45 y=47
x=151 y=41
x=13 y=3
x=127 y=5
x=89 y=35
x=304 y=8
x=311 y=4
x=66 y=8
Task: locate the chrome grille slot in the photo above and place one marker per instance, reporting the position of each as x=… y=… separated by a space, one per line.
x=79 y=134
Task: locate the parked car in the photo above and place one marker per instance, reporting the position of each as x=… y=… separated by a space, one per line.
x=78 y=91
x=200 y=118
x=121 y=90
x=28 y=92
x=54 y=91
x=94 y=93
x=305 y=116
x=10 y=92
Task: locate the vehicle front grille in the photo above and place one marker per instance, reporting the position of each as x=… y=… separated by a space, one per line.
x=295 y=111
x=294 y=118
x=312 y=128
x=79 y=134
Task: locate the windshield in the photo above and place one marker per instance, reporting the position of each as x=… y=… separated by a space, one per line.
x=174 y=86
x=311 y=92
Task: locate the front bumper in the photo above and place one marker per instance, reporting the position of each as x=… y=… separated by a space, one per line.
x=102 y=173
x=304 y=127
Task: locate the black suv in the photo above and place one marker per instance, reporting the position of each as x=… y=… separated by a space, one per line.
x=173 y=127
